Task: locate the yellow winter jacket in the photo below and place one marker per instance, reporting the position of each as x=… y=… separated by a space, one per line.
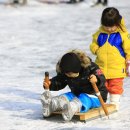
x=112 y=50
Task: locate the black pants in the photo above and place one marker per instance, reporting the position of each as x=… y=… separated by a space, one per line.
x=104 y=1
x=16 y=1
x=74 y=1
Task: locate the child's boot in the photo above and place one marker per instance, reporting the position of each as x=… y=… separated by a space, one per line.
x=49 y=104
x=70 y=108
x=115 y=99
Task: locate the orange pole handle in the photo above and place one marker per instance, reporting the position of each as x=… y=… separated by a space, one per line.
x=46 y=79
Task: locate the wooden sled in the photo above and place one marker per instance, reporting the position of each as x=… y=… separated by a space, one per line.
x=94 y=113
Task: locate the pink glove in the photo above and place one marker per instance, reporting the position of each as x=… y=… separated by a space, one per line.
x=128 y=68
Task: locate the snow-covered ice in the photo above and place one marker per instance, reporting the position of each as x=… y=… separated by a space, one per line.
x=32 y=39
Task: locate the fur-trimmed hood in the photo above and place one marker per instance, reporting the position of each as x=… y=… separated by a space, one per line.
x=84 y=59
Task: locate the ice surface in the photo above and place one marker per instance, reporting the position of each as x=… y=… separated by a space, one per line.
x=32 y=39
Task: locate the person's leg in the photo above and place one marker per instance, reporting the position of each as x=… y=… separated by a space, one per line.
x=105 y=2
x=70 y=105
x=51 y=104
x=115 y=86
x=115 y=99
x=99 y=1
x=16 y=1
x=88 y=102
x=115 y=89
x=74 y=104
x=71 y=1
x=70 y=108
x=66 y=98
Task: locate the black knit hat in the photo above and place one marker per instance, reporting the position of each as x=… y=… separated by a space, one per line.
x=70 y=63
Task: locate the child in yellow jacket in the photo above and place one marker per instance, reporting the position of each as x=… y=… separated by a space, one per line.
x=111 y=45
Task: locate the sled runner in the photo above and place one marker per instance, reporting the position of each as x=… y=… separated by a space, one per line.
x=94 y=113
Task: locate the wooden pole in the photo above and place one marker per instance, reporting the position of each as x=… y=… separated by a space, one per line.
x=100 y=99
x=47 y=79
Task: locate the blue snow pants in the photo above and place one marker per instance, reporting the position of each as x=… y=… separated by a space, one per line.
x=88 y=101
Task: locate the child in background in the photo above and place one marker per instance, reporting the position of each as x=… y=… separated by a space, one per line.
x=111 y=45
x=76 y=70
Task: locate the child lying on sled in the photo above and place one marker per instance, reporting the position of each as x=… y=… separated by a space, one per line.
x=76 y=70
